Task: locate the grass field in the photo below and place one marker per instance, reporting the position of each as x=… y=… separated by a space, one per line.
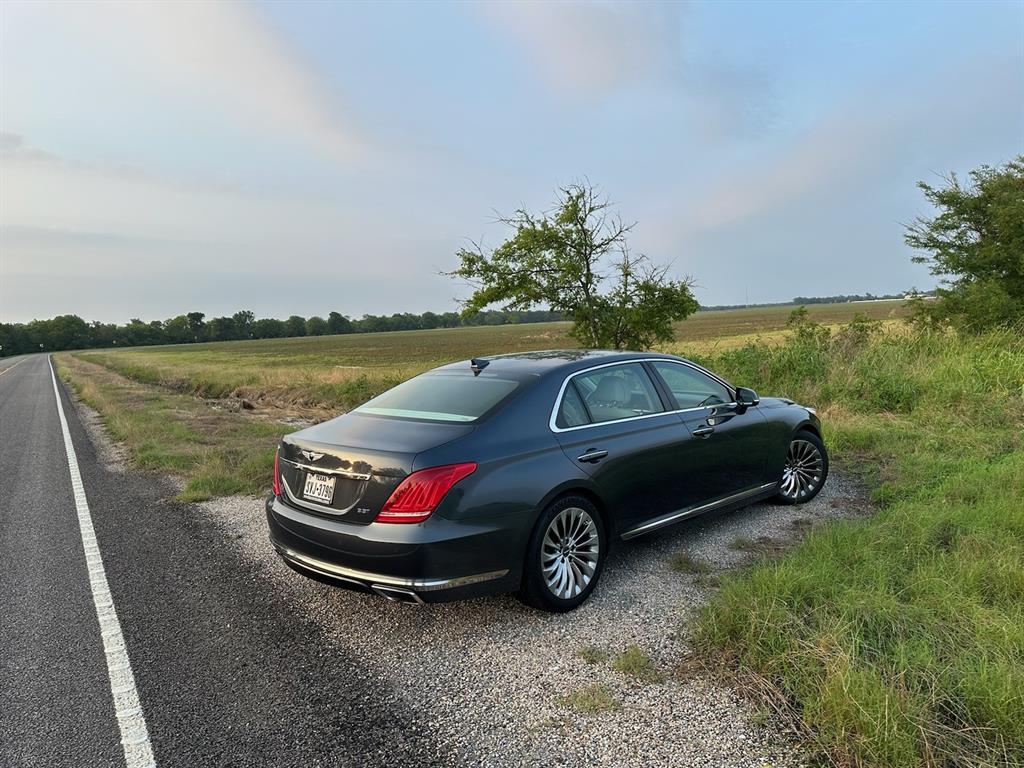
x=323 y=375
x=897 y=640
x=214 y=452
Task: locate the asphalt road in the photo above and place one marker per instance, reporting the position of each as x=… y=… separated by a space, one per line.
x=227 y=673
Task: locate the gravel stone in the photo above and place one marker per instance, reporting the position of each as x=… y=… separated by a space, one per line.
x=487 y=674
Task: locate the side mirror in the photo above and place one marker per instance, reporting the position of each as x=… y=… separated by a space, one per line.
x=746 y=398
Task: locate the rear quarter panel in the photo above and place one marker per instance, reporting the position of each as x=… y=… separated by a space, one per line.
x=521 y=467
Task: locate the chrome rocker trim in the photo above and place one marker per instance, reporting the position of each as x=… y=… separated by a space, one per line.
x=682 y=514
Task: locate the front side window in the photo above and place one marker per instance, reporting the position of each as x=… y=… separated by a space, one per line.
x=441 y=397
x=617 y=392
x=690 y=387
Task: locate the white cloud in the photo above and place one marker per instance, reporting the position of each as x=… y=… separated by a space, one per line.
x=867 y=138
x=44 y=193
x=586 y=49
x=220 y=55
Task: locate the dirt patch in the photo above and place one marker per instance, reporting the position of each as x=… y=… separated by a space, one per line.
x=295 y=416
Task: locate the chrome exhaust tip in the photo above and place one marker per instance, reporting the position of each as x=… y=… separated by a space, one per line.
x=397 y=594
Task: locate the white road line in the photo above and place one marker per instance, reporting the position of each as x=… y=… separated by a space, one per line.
x=9 y=367
x=138 y=753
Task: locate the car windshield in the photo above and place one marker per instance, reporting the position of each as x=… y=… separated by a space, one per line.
x=441 y=397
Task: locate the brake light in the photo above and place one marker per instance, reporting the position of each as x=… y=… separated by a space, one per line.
x=277 y=474
x=416 y=497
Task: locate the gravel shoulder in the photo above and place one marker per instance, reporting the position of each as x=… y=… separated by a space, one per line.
x=488 y=674
x=485 y=678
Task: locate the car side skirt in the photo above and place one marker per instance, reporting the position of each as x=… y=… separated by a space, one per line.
x=682 y=514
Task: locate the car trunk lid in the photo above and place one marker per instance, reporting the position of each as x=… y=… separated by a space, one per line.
x=349 y=466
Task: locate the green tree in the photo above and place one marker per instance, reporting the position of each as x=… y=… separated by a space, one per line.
x=338 y=323
x=102 y=334
x=268 y=328
x=196 y=326
x=976 y=245
x=221 y=329
x=316 y=326
x=295 y=326
x=67 y=332
x=137 y=333
x=243 y=320
x=563 y=260
x=177 y=330
x=14 y=339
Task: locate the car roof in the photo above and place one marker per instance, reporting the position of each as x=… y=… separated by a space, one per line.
x=542 y=362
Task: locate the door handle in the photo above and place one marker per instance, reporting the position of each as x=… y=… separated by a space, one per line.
x=592 y=456
x=703 y=431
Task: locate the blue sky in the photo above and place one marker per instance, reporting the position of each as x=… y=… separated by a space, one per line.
x=298 y=158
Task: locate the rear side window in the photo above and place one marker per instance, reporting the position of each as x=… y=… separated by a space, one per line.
x=572 y=412
x=617 y=392
x=690 y=387
x=442 y=397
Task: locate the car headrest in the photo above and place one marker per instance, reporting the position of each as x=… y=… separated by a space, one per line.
x=611 y=389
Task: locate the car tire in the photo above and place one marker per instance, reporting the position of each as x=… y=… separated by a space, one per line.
x=565 y=556
x=805 y=471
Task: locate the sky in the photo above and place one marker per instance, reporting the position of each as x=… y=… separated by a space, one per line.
x=303 y=157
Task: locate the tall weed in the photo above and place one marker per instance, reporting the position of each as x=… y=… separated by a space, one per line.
x=899 y=640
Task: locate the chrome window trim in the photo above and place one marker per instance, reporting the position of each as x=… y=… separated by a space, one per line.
x=553 y=420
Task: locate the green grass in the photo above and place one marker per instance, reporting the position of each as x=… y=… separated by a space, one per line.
x=707 y=581
x=684 y=562
x=335 y=373
x=593 y=655
x=215 y=453
x=762 y=546
x=638 y=665
x=898 y=639
x=590 y=700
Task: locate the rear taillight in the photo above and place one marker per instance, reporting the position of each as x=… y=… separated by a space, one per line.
x=277 y=474
x=416 y=497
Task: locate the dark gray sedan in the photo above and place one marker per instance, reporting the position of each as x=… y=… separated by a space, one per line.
x=516 y=473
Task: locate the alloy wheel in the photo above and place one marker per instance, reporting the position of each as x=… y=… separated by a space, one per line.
x=803 y=471
x=570 y=552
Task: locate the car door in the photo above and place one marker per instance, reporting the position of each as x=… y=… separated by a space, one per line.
x=614 y=424
x=731 y=441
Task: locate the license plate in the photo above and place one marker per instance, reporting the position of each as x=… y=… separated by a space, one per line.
x=319 y=488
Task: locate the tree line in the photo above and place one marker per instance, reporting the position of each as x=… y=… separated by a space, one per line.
x=72 y=332
x=844 y=299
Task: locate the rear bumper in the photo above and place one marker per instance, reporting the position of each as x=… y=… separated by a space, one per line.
x=430 y=562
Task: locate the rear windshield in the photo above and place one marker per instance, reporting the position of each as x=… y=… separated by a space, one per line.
x=442 y=397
